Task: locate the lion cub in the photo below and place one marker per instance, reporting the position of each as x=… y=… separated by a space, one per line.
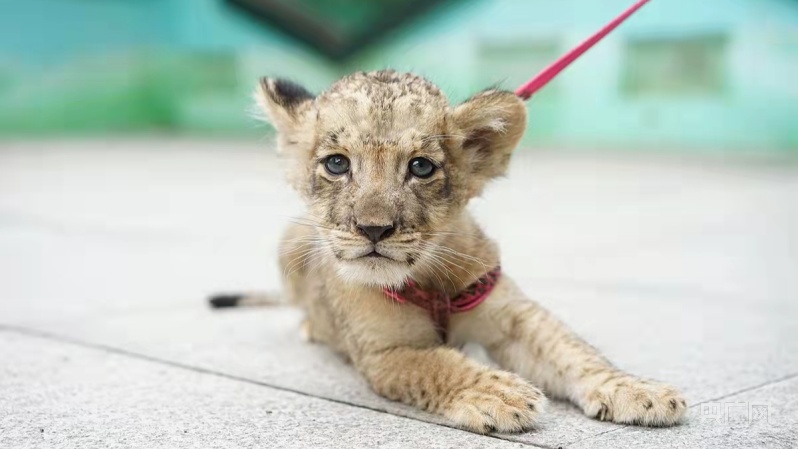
x=387 y=167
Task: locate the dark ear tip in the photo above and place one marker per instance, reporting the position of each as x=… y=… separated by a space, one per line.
x=264 y=83
x=284 y=92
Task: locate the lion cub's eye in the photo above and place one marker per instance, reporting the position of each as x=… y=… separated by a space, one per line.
x=337 y=164
x=421 y=167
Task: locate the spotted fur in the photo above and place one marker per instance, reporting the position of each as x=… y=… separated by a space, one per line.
x=380 y=121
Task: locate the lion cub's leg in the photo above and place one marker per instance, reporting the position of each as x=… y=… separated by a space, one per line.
x=442 y=380
x=396 y=348
x=523 y=337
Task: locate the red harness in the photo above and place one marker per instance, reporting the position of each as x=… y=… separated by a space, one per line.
x=439 y=305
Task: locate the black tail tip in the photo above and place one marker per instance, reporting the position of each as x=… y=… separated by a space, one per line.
x=222 y=301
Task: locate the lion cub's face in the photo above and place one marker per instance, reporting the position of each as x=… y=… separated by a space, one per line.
x=386 y=166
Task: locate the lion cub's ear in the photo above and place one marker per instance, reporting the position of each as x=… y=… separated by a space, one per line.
x=492 y=123
x=284 y=103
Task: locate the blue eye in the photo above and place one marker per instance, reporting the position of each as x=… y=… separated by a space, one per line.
x=337 y=164
x=421 y=167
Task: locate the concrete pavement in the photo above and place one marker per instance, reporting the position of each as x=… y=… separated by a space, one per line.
x=681 y=270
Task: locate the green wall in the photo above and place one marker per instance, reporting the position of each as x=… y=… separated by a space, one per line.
x=716 y=75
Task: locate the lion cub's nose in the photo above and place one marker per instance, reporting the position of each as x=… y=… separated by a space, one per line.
x=376 y=233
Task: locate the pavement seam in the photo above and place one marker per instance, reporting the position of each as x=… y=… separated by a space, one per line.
x=747 y=389
x=719 y=398
x=35 y=333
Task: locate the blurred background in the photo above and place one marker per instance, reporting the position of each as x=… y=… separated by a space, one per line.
x=653 y=205
x=715 y=75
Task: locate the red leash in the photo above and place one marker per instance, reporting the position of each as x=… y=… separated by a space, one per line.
x=439 y=305
x=550 y=72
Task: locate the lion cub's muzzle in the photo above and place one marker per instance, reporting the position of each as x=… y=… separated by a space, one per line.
x=375 y=233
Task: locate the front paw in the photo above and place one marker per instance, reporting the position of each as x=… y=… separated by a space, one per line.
x=495 y=401
x=630 y=400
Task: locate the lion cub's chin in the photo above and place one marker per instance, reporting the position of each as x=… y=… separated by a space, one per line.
x=376 y=272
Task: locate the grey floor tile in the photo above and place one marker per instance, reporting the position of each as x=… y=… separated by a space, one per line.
x=707 y=346
x=765 y=417
x=59 y=395
x=265 y=347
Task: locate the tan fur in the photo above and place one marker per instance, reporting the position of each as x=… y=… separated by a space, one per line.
x=380 y=121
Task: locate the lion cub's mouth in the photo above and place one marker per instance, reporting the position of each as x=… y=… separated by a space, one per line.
x=374 y=255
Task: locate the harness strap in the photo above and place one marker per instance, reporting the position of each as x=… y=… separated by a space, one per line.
x=439 y=305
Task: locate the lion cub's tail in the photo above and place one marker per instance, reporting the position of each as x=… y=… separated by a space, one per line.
x=245 y=300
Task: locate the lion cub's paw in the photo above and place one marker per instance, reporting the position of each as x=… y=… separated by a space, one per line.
x=497 y=401
x=636 y=401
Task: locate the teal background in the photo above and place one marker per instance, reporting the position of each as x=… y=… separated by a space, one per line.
x=681 y=75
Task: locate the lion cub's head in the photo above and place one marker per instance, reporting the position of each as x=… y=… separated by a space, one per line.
x=386 y=165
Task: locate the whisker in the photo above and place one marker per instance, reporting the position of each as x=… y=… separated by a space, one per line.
x=304 y=253
x=302 y=259
x=440 y=280
x=440 y=262
x=454 y=252
x=437 y=263
x=444 y=263
x=311 y=224
x=313 y=256
x=303 y=239
x=456 y=234
x=441 y=252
